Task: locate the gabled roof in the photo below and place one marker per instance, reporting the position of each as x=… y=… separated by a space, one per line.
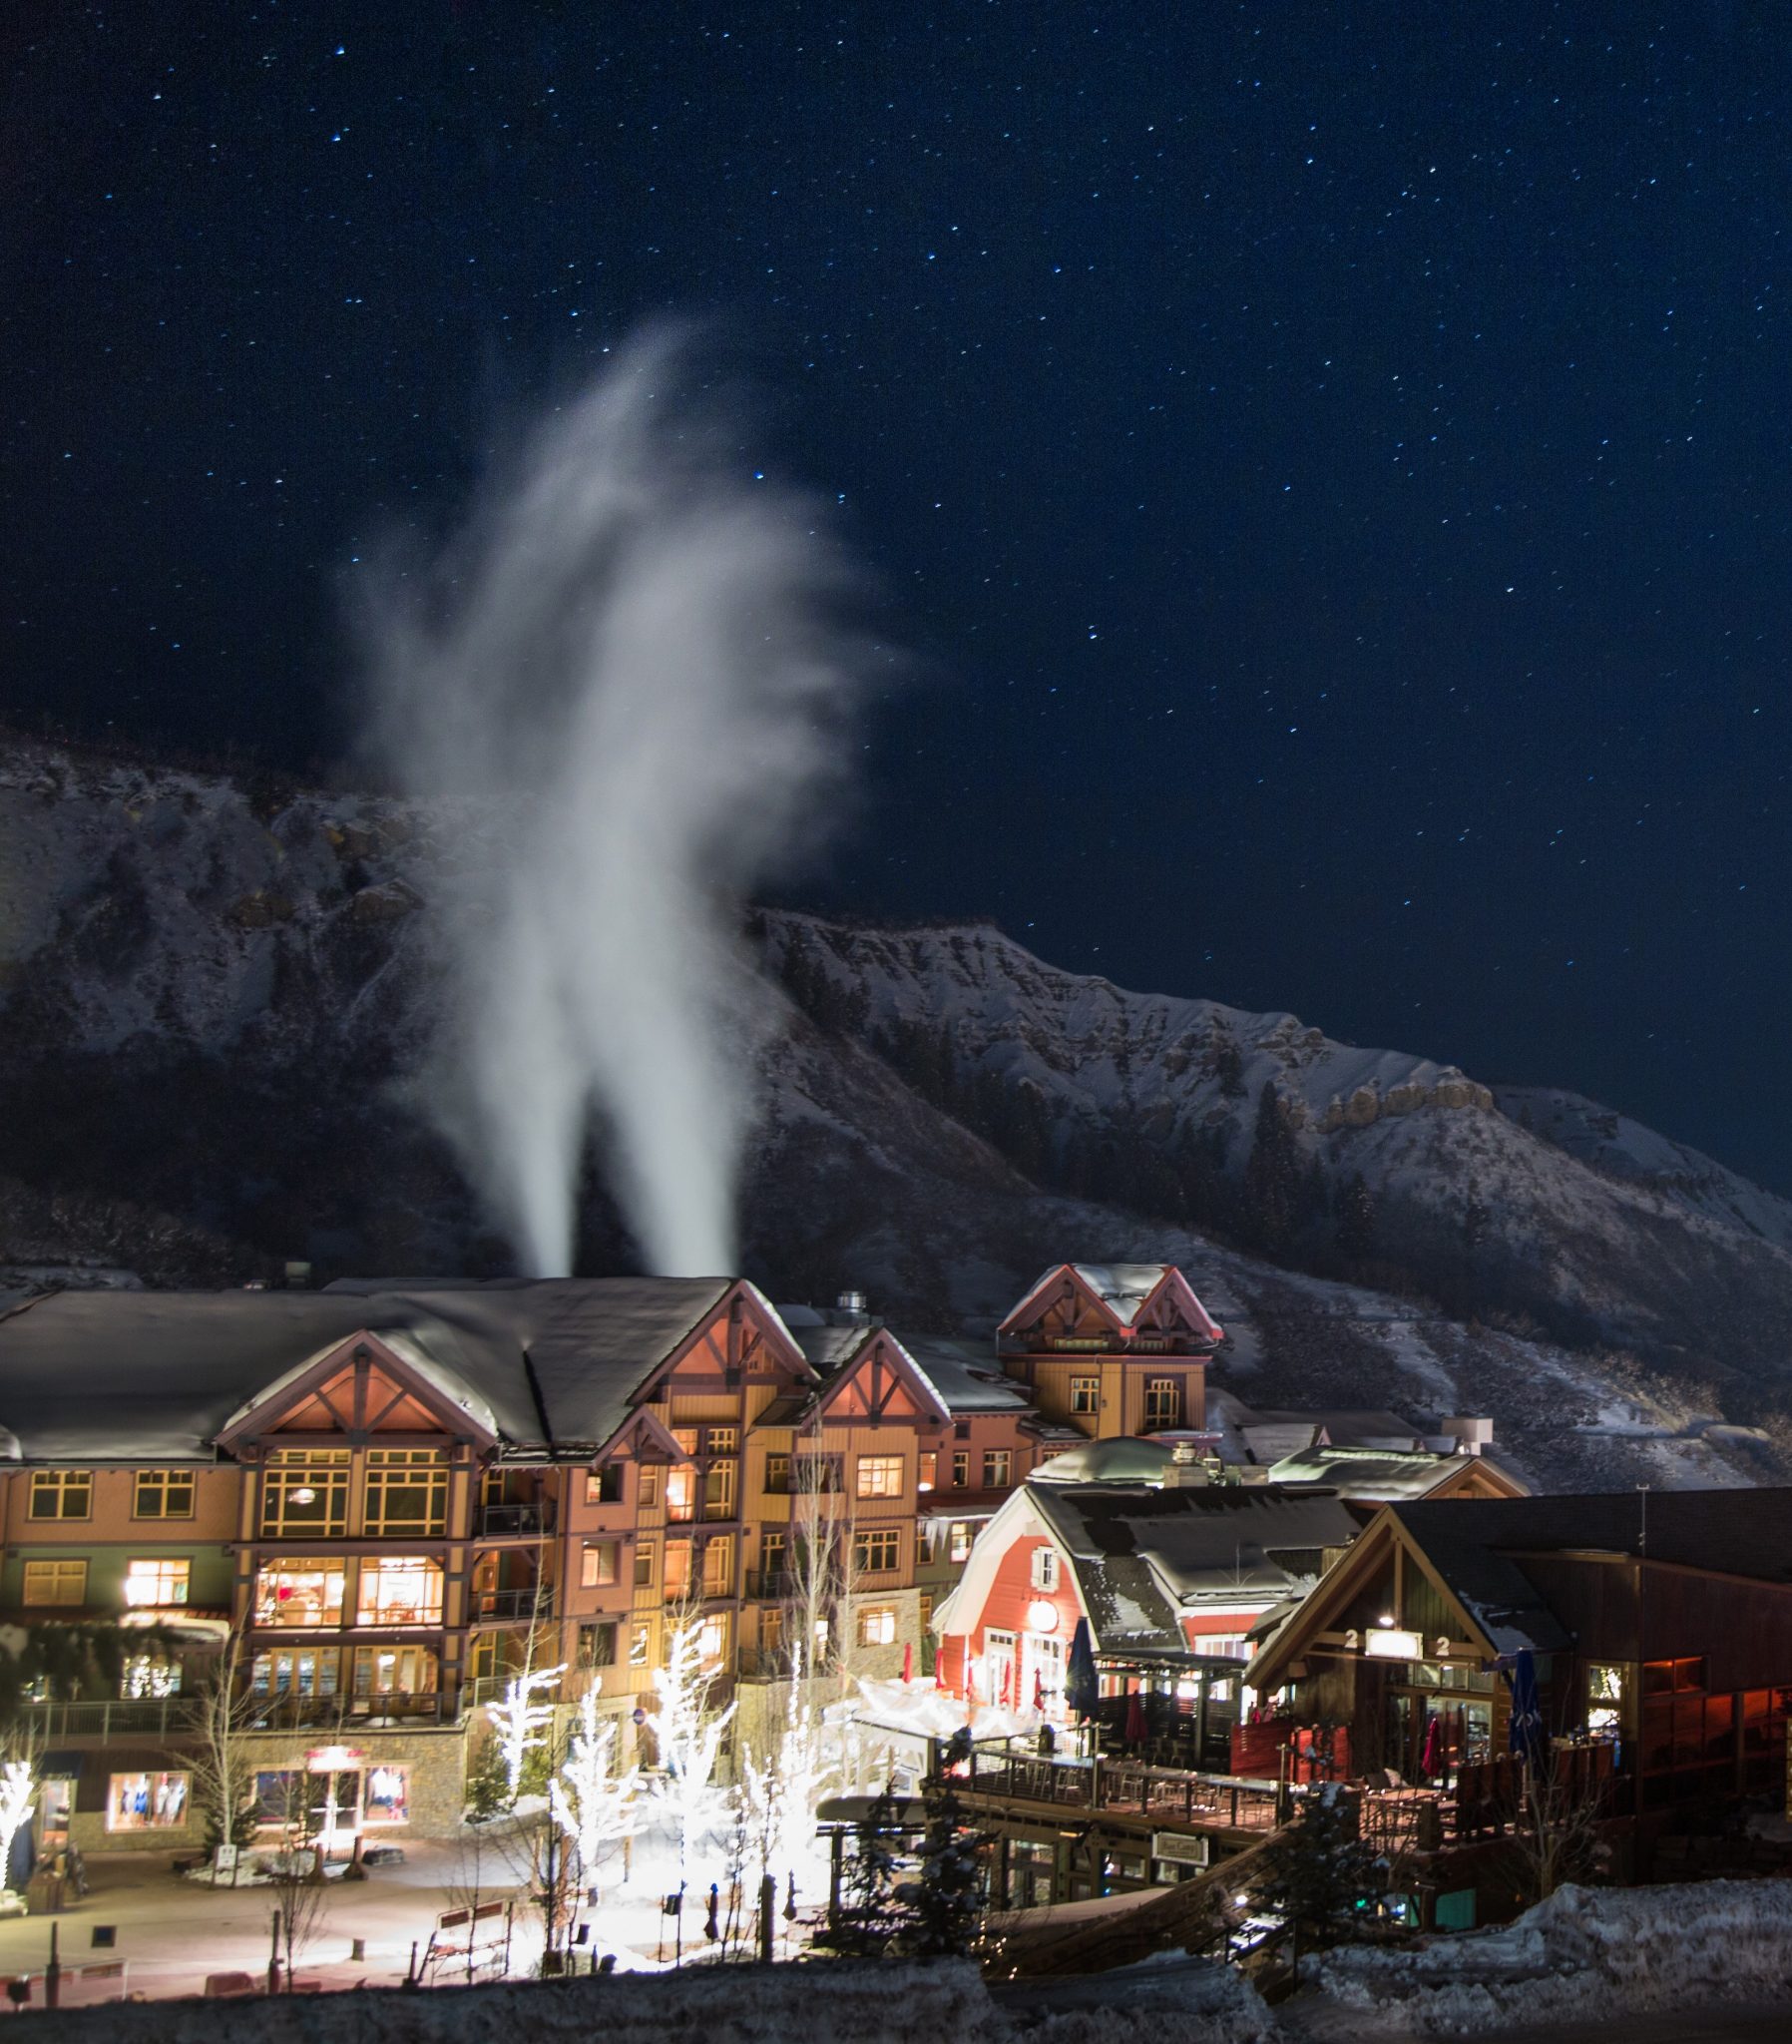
x=97 y=1375
x=878 y=1347
x=1381 y=1476
x=1120 y=1291
x=1142 y=1556
x=456 y=1406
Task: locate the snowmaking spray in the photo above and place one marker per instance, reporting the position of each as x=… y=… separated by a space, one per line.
x=629 y=676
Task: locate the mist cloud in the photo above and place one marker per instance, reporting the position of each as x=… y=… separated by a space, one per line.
x=630 y=671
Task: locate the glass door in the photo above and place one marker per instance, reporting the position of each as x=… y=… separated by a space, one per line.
x=336 y=1810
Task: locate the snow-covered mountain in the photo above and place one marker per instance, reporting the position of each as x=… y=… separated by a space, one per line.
x=211 y=997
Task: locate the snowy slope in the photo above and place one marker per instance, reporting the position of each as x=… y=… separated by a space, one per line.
x=210 y=1003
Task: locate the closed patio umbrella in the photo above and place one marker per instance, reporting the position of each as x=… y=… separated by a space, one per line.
x=908 y=1660
x=1525 y=1733
x=1082 y=1688
x=1138 y=1727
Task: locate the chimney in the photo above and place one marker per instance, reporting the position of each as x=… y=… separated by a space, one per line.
x=853 y=1306
x=1183 y=1471
x=1470 y=1435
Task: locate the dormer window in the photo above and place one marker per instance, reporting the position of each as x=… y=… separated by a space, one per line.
x=1045 y=1568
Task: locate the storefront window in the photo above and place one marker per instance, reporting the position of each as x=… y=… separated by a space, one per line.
x=387 y=1796
x=147 y=1675
x=145 y=1803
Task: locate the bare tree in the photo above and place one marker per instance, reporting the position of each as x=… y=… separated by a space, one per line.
x=1553 y=1819
x=294 y=1874
x=222 y=1759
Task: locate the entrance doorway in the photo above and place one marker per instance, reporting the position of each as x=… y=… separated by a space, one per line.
x=335 y=1809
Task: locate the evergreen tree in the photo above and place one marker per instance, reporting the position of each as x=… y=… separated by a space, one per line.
x=946 y=1903
x=868 y=1921
x=1273 y=1175
x=1356 y=1219
x=1317 y=1871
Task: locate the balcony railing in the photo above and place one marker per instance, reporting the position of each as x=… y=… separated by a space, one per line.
x=164 y=1717
x=1159 y=1794
x=511 y=1522
x=769 y=1584
x=503 y=1605
x=289 y=1713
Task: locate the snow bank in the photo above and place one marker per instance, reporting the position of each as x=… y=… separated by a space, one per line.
x=827 y=2004
x=1584 y=1953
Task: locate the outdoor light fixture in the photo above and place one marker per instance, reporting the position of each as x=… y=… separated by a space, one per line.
x=1042 y=1615
x=304 y=1495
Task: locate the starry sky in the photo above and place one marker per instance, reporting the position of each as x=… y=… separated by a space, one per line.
x=1330 y=461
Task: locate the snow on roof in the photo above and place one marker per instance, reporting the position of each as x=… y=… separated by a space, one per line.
x=1124 y=1286
x=1374 y=1473
x=129 y=1376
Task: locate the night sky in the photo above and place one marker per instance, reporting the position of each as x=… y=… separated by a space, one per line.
x=1332 y=462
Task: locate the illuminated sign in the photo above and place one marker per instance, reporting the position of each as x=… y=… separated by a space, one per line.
x=1383 y=1643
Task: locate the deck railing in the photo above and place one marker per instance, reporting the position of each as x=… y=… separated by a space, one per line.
x=1163 y=1794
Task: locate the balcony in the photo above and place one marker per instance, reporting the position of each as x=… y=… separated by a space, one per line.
x=291 y=1712
x=772 y=1586
x=503 y=1607
x=515 y=1522
x=164 y=1717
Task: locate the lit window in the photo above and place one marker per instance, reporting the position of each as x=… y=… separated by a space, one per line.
x=147 y=1675
x=603 y=1486
x=1163 y=1403
x=874 y=1550
x=996 y=1466
x=680 y=1494
x=930 y=1469
x=61 y=1494
x=1045 y=1568
x=387 y=1796
x=400 y=1590
x=55 y=1582
x=713 y=1639
x=678 y=1569
x=163 y=1495
x=294 y=1671
x=958 y=1540
x=597 y=1564
x=157 y=1580
x=406 y=1491
x=877 y=1625
x=395 y=1672
x=1085 y=1394
x=880 y=1476
x=306 y=1491
x=145 y=1803
x=304 y=1594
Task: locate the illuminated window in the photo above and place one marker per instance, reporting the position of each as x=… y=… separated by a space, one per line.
x=145 y=1803
x=55 y=1582
x=713 y=1639
x=958 y=1540
x=61 y=1494
x=1085 y=1394
x=996 y=1463
x=163 y=1495
x=930 y=1469
x=388 y=1797
x=395 y=1672
x=306 y=1491
x=400 y=1590
x=300 y=1593
x=960 y=1468
x=678 y=1569
x=874 y=1550
x=147 y=1675
x=406 y=1491
x=640 y=1645
x=680 y=1494
x=294 y=1671
x=1163 y=1401
x=157 y=1580
x=880 y=1476
x=603 y=1486
x=597 y=1564
x=1045 y=1568
x=877 y=1625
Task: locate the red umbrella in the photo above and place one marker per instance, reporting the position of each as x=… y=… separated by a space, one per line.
x=1136 y=1728
x=908 y=1660
x=1009 y=1684
x=1039 y=1691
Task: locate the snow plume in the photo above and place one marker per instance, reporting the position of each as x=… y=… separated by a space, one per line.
x=631 y=670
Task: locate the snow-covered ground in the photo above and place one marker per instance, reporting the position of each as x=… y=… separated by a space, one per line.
x=1586 y=1953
